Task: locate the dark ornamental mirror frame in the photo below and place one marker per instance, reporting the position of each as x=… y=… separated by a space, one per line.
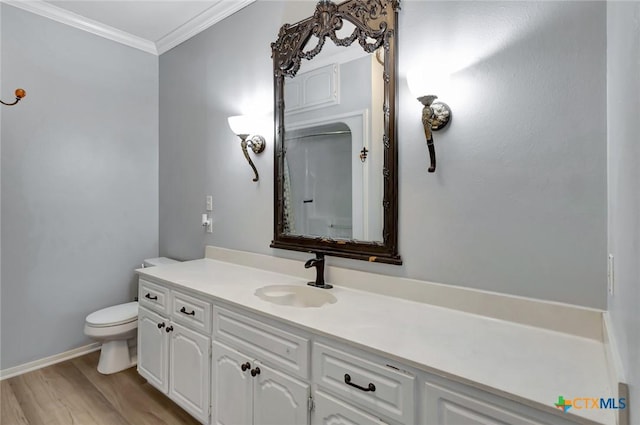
x=375 y=24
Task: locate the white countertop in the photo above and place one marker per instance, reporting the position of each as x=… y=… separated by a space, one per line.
x=533 y=364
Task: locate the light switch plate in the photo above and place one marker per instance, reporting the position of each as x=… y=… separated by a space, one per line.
x=610 y=274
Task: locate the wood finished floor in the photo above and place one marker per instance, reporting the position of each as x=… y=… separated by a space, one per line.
x=74 y=393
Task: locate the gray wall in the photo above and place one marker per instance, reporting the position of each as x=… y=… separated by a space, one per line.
x=623 y=102
x=79 y=180
x=518 y=204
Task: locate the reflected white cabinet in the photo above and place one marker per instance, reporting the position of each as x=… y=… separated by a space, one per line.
x=246 y=391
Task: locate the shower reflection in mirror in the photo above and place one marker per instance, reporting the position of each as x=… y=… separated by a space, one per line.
x=334 y=113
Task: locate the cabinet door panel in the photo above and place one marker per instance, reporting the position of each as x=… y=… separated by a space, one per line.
x=279 y=399
x=331 y=411
x=231 y=387
x=153 y=351
x=449 y=406
x=189 y=371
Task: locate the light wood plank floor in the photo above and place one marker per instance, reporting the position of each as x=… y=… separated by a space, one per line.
x=73 y=392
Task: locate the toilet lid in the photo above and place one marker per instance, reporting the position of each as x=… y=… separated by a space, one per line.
x=113 y=316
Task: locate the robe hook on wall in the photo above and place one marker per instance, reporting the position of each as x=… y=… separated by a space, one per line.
x=20 y=93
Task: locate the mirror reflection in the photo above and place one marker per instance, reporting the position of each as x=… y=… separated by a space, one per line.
x=333 y=145
x=336 y=155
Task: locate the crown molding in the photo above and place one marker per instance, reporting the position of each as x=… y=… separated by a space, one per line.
x=211 y=16
x=199 y=23
x=66 y=17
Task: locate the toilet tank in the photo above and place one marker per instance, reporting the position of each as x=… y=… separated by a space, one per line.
x=158 y=261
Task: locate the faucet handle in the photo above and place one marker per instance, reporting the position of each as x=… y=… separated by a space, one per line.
x=312 y=262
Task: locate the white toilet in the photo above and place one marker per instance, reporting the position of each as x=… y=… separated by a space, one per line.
x=117 y=328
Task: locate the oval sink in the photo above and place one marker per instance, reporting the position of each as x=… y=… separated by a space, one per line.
x=295 y=295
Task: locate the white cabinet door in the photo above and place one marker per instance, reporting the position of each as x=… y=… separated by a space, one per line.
x=278 y=399
x=231 y=387
x=153 y=352
x=456 y=404
x=189 y=369
x=331 y=411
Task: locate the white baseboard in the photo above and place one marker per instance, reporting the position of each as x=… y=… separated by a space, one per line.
x=48 y=361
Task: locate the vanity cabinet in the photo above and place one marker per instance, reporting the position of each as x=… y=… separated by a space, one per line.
x=247 y=391
x=173 y=351
x=259 y=372
x=153 y=349
x=449 y=403
x=329 y=410
x=228 y=365
x=360 y=387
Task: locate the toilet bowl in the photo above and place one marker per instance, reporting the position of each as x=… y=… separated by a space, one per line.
x=117 y=327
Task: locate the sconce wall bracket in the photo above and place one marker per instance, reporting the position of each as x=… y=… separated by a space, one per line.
x=441 y=111
x=257 y=144
x=435 y=116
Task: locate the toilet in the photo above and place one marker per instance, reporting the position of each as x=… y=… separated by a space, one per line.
x=117 y=327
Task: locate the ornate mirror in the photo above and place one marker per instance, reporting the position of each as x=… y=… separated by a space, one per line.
x=335 y=130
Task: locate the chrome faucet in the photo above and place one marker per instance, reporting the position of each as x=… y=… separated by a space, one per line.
x=318 y=263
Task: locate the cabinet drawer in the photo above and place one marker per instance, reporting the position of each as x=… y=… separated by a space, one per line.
x=376 y=387
x=281 y=349
x=190 y=311
x=153 y=296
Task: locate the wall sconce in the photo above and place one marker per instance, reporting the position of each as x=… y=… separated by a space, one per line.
x=435 y=114
x=240 y=125
x=20 y=93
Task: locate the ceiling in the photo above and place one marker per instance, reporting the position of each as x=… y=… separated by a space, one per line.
x=154 y=26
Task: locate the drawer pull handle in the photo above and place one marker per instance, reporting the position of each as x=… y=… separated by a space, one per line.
x=245 y=366
x=169 y=329
x=347 y=380
x=161 y=325
x=191 y=313
x=155 y=297
x=255 y=371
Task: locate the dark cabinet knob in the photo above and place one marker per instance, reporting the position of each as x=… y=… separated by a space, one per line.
x=155 y=297
x=161 y=325
x=255 y=371
x=245 y=366
x=169 y=329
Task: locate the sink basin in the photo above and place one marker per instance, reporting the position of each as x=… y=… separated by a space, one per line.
x=295 y=295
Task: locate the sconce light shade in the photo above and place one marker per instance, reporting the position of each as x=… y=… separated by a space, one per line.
x=427 y=81
x=241 y=125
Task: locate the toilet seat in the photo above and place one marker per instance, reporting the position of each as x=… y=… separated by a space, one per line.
x=114 y=316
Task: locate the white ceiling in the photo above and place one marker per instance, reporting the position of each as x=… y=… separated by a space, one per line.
x=154 y=26
x=150 y=20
